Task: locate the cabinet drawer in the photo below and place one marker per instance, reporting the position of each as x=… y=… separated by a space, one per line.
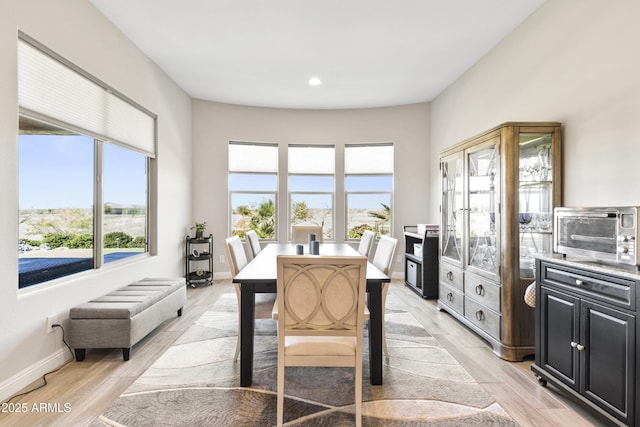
x=451 y=276
x=482 y=290
x=451 y=297
x=483 y=317
x=412 y=273
x=612 y=289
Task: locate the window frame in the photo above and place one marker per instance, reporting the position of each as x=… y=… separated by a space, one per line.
x=97 y=177
x=291 y=194
x=269 y=193
x=373 y=191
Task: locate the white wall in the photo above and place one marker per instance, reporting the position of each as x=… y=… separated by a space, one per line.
x=78 y=32
x=573 y=61
x=215 y=124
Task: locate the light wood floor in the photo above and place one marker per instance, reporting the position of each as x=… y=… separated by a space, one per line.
x=87 y=388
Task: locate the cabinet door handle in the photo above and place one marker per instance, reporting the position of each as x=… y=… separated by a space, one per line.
x=480 y=290
x=480 y=315
x=450 y=296
x=579 y=282
x=579 y=346
x=450 y=276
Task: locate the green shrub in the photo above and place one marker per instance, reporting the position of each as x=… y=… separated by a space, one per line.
x=117 y=239
x=81 y=241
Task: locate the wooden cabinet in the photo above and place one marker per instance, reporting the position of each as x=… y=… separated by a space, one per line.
x=498 y=193
x=586 y=336
x=421 y=261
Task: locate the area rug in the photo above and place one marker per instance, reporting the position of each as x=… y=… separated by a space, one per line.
x=196 y=383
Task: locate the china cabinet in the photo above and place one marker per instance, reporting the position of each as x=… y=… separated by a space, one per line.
x=498 y=193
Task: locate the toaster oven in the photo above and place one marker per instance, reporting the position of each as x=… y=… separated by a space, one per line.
x=603 y=234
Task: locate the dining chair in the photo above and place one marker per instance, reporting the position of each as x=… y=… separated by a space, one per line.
x=237 y=259
x=254 y=242
x=366 y=242
x=320 y=312
x=300 y=233
x=383 y=260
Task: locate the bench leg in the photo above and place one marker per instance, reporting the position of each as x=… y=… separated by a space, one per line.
x=80 y=354
x=180 y=312
x=125 y=353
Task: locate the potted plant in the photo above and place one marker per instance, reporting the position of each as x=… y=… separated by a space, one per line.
x=199 y=227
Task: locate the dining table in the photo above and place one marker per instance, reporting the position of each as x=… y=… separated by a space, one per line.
x=260 y=275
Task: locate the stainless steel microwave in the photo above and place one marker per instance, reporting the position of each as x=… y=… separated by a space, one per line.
x=603 y=234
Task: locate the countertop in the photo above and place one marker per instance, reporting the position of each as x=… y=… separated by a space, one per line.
x=627 y=271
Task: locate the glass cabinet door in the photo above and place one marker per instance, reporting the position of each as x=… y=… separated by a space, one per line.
x=452 y=208
x=482 y=203
x=535 y=198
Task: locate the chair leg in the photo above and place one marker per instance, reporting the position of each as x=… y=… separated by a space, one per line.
x=358 y=388
x=280 y=399
x=385 y=290
x=237 y=353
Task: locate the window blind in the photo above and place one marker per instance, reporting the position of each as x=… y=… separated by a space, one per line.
x=370 y=158
x=253 y=157
x=52 y=87
x=311 y=159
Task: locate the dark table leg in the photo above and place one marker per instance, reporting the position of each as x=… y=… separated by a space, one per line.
x=247 y=314
x=375 y=333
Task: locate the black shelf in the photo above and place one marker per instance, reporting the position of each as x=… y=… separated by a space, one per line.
x=421 y=271
x=199 y=267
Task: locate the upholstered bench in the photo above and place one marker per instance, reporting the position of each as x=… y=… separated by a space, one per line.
x=123 y=317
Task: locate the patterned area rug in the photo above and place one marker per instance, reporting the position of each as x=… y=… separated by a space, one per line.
x=196 y=383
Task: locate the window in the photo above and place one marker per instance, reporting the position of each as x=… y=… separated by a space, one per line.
x=368 y=188
x=84 y=154
x=253 y=188
x=125 y=202
x=312 y=186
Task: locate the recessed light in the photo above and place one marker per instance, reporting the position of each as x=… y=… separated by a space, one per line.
x=314 y=81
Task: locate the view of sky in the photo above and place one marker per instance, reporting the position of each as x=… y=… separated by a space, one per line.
x=56 y=171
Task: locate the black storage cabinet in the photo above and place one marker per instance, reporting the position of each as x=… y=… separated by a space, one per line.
x=421 y=270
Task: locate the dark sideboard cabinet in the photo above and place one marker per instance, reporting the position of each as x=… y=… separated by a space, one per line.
x=587 y=330
x=421 y=261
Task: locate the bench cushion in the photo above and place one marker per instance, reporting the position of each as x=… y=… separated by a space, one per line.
x=127 y=301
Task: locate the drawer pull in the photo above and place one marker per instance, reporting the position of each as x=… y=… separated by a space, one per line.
x=450 y=296
x=480 y=290
x=579 y=282
x=480 y=315
x=580 y=347
x=450 y=275
x=574 y=344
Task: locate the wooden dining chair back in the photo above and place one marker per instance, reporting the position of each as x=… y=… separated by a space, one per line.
x=237 y=260
x=236 y=256
x=254 y=242
x=383 y=260
x=320 y=312
x=366 y=242
x=300 y=233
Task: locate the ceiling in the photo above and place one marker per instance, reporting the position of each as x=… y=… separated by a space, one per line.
x=367 y=53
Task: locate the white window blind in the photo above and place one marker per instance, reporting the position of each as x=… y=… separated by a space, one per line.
x=368 y=159
x=52 y=87
x=253 y=157
x=311 y=159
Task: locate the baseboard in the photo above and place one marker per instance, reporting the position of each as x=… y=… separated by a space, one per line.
x=27 y=376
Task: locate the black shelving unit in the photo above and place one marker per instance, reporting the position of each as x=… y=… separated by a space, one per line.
x=199 y=260
x=421 y=270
